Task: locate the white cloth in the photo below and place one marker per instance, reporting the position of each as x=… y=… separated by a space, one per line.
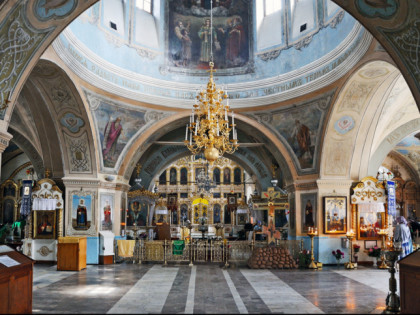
x=371 y=207
x=44 y=204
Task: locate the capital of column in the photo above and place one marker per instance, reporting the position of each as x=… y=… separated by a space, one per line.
x=5 y=137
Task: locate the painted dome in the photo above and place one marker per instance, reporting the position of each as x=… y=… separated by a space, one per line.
x=262 y=54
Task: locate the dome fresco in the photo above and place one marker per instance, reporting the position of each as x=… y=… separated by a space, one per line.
x=138 y=55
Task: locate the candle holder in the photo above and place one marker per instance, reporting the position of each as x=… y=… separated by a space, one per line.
x=392 y=300
x=383 y=265
x=311 y=233
x=190 y=227
x=350 y=236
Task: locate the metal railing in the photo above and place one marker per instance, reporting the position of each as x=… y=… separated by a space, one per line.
x=200 y=251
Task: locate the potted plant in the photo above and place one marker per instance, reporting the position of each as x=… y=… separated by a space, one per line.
x=338 y=254
x=374 y=252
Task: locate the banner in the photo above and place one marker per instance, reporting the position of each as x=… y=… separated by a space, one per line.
x=392 y=210
x=26 y=204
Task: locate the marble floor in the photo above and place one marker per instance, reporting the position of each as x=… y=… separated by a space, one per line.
x=140 y=289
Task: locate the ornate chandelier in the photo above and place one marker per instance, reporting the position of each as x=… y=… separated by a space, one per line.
x=209 y=128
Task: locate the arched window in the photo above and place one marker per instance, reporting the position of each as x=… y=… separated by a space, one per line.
x=216 y=176
x=162 y=178
x=227 y=216
x=172 y=176
x=216 y=213
x=145 y=5
x=237 y=176
x=184 y=176
x=226 y=176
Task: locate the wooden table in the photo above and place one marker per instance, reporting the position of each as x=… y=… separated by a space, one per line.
x=16 y=284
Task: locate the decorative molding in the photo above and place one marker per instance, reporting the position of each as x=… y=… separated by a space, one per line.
x=270 y=55
x=78 y=151
x=44 y=251
x=18 y=43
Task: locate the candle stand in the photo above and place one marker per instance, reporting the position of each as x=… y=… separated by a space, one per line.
x=383 y=265
x=311 y=233
x=392 y=300
x=350 y=237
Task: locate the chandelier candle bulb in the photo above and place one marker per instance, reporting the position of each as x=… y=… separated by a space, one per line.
x=186 y=133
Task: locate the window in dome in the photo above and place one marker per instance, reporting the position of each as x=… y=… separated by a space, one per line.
x=271 y=6
x=145 y=5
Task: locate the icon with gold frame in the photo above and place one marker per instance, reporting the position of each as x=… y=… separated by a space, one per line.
x=44 y=224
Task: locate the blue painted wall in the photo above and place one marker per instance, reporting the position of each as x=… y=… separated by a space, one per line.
x=92 y=255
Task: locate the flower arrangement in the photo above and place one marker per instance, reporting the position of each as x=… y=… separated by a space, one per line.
x=338 y=254
x=356 y=248
x=374 y=252
x=304 y=258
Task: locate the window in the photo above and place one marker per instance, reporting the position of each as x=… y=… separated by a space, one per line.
x=271 y=6
x=145 y=5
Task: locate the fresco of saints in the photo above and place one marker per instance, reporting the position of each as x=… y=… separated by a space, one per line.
x=303 y=138
x=112 y=132
x=206 y=35
x=235 y=41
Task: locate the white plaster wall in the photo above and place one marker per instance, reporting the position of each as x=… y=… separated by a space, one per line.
x=113 y=11
x=145 y=21
x=270 y=31
x=302 y=12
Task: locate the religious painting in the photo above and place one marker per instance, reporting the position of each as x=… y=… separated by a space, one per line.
x=8 y=211
x=116 y=126
x=184 y=176
x=107 y=214
x=162 y=178
x=226 y=176
x=196 y=214
x=300 y=128
x=411 y=210
x=174 y=217
x=216 y=176
x=280 y=218
x=292 y=213
x=184 y=213
x=161 y=218
x=237 y=176
x=335 y=215
x=308 y=205
x=172 y=202
x=369 y=223
x=198 y=170
x=192 y=38
x=241 y=218
x=81 y=213
x=9 y=190
x=44 y=224
x=172 y=176
x=227 y=216
x=216 y=213
x=137 y=213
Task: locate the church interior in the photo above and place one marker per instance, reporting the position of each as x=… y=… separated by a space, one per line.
x=209 y=156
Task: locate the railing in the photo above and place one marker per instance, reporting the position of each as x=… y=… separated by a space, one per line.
x=215 y=251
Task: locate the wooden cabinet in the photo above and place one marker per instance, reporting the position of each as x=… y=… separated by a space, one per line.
x=16 y=284
x=71 y=253
x=409 y=283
